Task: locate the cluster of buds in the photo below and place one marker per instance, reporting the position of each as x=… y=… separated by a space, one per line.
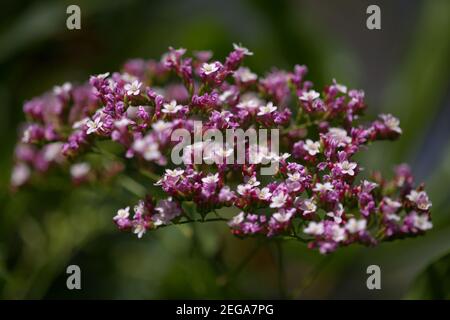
x=314 y=196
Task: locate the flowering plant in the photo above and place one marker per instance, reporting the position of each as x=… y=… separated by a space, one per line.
x=314 y=195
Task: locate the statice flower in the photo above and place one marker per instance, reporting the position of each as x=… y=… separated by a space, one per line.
x=125 y=123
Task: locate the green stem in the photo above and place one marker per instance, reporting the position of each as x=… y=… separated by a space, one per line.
x=193 y=221
x=233 y=275
x=132 y=186
x=150 y=175
x=281 y=283
x=310 y=278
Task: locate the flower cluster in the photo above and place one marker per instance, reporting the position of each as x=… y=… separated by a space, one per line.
x=315 y=195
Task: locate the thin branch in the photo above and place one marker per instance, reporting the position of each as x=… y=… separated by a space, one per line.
x=233 y=275
x=193 y=221
x=310 y=278
x=281 y=282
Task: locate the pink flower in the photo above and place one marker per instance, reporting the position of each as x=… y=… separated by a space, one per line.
x=347 y=167
x=130 y=124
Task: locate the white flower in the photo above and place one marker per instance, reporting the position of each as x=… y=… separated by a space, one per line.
x=243 y=189
x=312 y=147
x=258 y=153
x=420 y=199
x=391 y=203
x=294 y=177
x=340 y=136
x=309 y=96
x=223 y=152
x=244 y=74
x=391 y=122
x=308 y=206
x=128 y=77
x=341 y=88
x=171 y=107
x=337 y=216
x=103 y=75
x=211 y=179
x=20 y=174
x=236 y=220
x=338 y=233
x=139 y=229
x=161 y=125
x=139 y=145
x=148 y=148
x=422 y=222
x=112 y=85
x=268 y=108
x=368 y=186
x=355 y=226
x=390 y=206
x=52 y=151
x=216 y=152
x=79 y=170
x=393 y=217
x=413 y=196
x=253 y=182
x=133 y=89
x=139 y=209
x=26 y=135
x=209 y=68
x=283 y=215
x=322 y=187
x=347 y=167
x=244 y=50
x=314 y=228
x=94 y=126
x=225 y=95
x=64 y=89
x=152 y=152
x=277 y=158
x=122 y=213
x=278 y=200
x=80 y=124
x=122 y=123
x=173 y=174
x=264 y=194
x=249 y=102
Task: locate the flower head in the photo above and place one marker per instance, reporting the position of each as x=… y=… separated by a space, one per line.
x=122 y=214
x=268 y=108
x=278 y=200
x=172 y=107
x=136 y=126
x=314 y=228
x=312 y=147
x=133 y=89
x=209 y=68
x=347 y=167
x=94 y=126
x=309 y=96
x=245 y=51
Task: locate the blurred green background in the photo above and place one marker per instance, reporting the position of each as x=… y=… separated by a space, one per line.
x=403 y=68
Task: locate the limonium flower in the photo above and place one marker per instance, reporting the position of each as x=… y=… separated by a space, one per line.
x=317 y=194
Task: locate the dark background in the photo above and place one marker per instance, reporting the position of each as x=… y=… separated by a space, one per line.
x=403 y=69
